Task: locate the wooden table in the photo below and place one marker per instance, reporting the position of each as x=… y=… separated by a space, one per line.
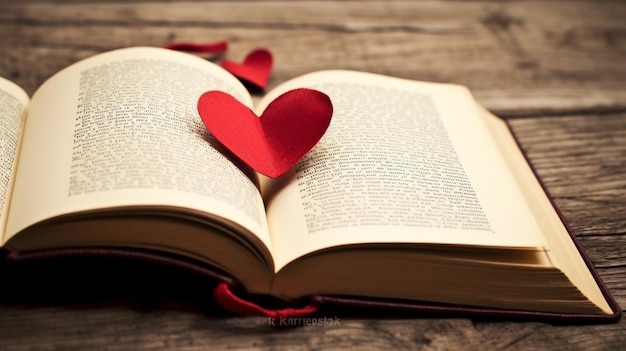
x=557 y=69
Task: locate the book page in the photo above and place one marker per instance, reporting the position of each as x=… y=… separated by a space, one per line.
x=563 y=252
x=121 y=129
x=402 y=162
x=13 y=103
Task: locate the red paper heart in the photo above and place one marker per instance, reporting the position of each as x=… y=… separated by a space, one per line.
x=256 y=67
x=216 y=47
x=271 y=144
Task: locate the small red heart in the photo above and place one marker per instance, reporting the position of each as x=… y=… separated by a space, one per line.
x=271 y=144
x=256 y=67
x=216 y=47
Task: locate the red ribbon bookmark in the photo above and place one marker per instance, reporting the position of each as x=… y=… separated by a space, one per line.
x=233 y=303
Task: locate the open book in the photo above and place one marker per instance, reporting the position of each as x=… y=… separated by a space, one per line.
x=415 y=193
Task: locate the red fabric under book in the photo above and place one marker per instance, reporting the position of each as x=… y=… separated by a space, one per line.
x=226 y=298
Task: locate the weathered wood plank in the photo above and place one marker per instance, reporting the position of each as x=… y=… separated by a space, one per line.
x=186 y=330
x=582 y=161
x=519 y=58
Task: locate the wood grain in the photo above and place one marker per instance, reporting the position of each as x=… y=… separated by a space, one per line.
x=558 y=64
x=519 y=58
x=582 y=160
